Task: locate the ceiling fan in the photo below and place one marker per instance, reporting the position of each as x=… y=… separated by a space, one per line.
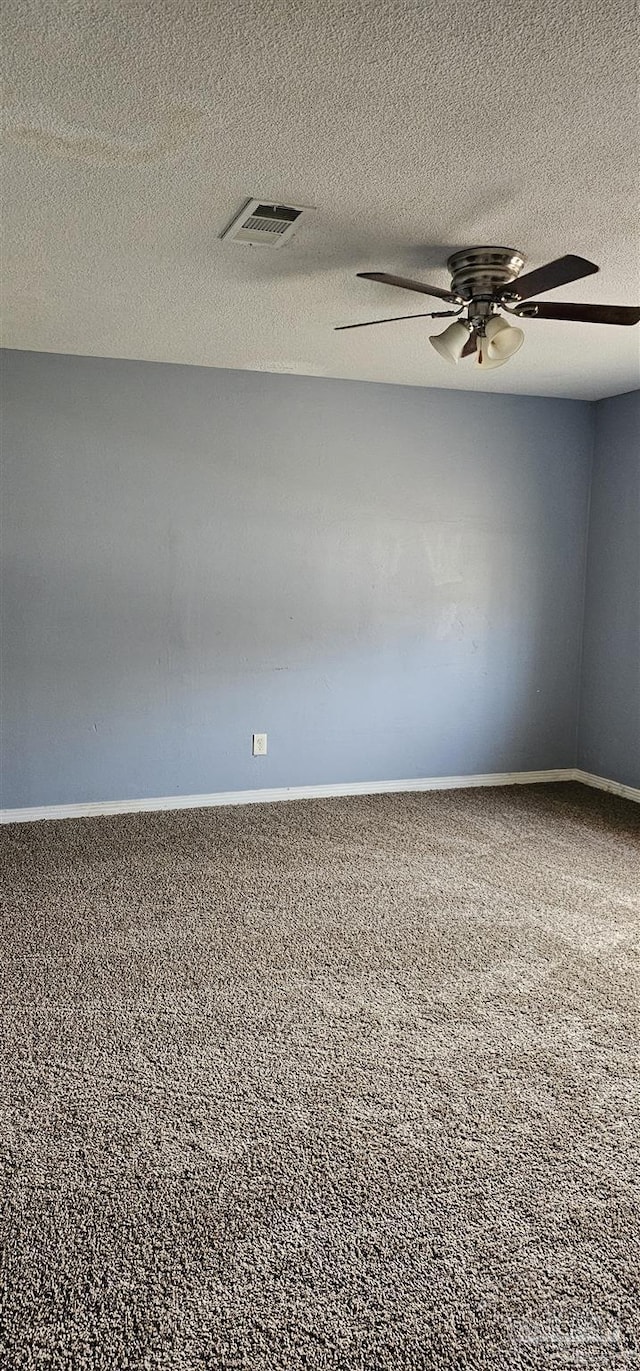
x=486 y=281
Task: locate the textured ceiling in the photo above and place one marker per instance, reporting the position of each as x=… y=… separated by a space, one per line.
x=134 y=131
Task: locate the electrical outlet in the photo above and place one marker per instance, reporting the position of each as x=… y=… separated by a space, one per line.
x=259 y=745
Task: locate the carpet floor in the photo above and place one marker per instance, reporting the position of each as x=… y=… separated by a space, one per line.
x=342 y=1085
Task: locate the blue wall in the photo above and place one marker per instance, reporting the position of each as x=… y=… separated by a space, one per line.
x=387 y=580
x=609 y=738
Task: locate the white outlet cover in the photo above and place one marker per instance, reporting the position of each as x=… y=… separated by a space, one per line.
x=259 y=745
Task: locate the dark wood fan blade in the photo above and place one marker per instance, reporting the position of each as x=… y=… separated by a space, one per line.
x=470 y=345
x=406 y=284
x=557 y=273
x=368 y=322
x=580 y=314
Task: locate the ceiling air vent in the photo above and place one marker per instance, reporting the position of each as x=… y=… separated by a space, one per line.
x=263 y=223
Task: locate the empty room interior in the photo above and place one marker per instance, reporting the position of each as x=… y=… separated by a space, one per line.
x=320 y=686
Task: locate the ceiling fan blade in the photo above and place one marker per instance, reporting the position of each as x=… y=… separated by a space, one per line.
x=557 y=273
x=470 y=345
x=580 y=314
x=407 y=284
x=368 y=322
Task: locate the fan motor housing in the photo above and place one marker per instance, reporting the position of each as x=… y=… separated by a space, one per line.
x=478 y=272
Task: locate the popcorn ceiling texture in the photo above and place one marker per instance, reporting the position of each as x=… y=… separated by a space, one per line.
x=341 y=1085
x=134 y=132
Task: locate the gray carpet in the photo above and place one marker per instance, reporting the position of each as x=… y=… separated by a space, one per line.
x=335 y=1084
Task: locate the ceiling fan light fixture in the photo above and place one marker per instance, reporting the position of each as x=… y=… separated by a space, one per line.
x=451 y=343
x=486 y=280
x=502 y=340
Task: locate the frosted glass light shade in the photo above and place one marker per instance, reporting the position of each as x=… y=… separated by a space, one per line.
x=502 y=339
x=450 y=343
x=485 y=361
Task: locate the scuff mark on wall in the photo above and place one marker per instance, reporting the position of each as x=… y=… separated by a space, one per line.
x=449 y=623
x=446 y=552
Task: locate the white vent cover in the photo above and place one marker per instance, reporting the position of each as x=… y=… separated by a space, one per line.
x=264 y=223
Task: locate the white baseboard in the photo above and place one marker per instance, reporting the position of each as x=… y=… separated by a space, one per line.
x=628 y=792
x=295 y=792
x=311 y=792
